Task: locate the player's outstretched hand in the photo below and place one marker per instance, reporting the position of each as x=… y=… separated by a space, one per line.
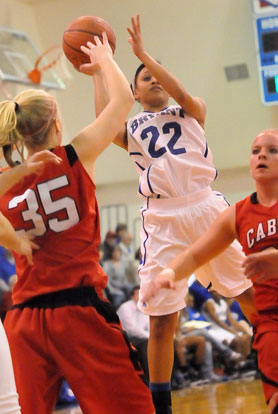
x=261 y=266
x=37 y=161
x=95 y=52
x=25 y=246
x=136 y=39
x=164 y=280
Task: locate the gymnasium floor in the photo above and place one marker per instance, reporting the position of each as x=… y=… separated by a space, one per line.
x=244 y=396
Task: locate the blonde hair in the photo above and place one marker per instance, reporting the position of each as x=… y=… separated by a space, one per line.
x=268 y=131
x=27 y=119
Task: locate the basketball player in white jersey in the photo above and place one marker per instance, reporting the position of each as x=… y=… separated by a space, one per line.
x=171 y=155
x=22 y=245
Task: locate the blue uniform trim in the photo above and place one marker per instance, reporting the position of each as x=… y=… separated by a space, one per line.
x=140 y=166
x=221 y=195
x=147 y=235
x=139 y=190
x=206 y=151
x=148 y=180
x=136 y=153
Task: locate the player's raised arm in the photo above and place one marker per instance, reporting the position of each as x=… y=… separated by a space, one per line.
x=93 y=139
x=102 y=98
x=193 y=106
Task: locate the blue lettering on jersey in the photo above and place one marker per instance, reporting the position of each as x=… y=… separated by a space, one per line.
x=176 y=111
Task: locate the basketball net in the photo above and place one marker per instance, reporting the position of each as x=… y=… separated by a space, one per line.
x=54 y=55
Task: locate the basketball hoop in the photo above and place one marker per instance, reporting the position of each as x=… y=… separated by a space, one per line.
x=35 y=74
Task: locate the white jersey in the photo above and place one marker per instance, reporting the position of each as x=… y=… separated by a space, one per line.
x=170 y=153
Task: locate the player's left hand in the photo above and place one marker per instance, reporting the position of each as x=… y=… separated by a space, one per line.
x=25 y=247
x=36 y=162
x=136 y=39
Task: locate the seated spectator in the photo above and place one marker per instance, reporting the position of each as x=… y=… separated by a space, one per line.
x=120 y=229
x=200 y=294
x=125 y=246
x=100 y=250
x=191 y=314
x=8 y=278
x=136 y=324
x=132 y=268
x=202 y=362
x=108 y=244
x=239 y=316
x=7 y=265
x=223 y=326
x=118 y=289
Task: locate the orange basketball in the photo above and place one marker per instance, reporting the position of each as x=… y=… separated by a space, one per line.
x=82 y=30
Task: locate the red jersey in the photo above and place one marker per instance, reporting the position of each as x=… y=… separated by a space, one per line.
x=59 y=207
x=257 y=229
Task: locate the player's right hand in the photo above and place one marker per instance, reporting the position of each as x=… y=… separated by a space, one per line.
x=95 y=52
x=164 y=280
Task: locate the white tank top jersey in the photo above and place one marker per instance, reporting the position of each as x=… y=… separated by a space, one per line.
x=170 y=153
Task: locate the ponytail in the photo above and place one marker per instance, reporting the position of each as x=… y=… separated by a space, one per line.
x=26 y=120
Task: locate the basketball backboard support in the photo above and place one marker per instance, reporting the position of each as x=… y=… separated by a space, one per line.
x=17 y=58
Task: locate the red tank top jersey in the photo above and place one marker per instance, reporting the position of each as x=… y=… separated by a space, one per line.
x=59 y=207
x=257 y=229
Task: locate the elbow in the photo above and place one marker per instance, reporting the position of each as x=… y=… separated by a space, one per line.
x=130 y=99
x=127 y=102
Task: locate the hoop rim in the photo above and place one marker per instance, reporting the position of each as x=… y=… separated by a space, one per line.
x=35 y=74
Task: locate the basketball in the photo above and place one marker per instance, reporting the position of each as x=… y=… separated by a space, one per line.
x=82 y=30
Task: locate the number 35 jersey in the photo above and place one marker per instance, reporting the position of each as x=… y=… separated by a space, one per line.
x=59 y=208
x=170 y=153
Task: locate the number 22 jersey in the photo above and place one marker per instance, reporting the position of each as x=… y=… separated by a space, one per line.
x=59 y=208
x=170 y=153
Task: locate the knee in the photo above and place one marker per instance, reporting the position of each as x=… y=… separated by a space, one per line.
x=162 y=327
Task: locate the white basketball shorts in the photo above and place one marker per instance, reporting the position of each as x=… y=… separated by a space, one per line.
x=168 y=227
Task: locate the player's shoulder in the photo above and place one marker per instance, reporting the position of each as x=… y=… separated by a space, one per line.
x=66 y=152
x=250 y=199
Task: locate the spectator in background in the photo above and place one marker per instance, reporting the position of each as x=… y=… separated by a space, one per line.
x=127 y=259
x=120 y=229
x=132 y=273
x=238 y=315
x=7 y=265
x=8 y=278
x=100 y=250
x=108 y=244
x=223 y=326
x=125 y=246
x=190 y=314
x=136 y=324
x=201 y=365
x=118 y=288
x=200 y=294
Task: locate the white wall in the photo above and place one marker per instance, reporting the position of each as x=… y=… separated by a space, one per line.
x=193 y=39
